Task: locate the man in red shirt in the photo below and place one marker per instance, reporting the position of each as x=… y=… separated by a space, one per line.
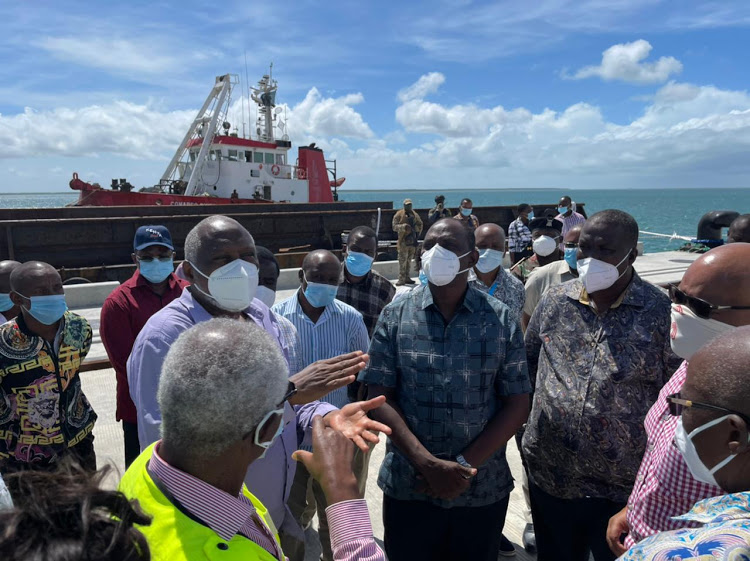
x=128 y=308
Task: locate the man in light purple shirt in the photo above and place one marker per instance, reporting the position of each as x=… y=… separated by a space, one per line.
x=221 y=264
x=223 y=393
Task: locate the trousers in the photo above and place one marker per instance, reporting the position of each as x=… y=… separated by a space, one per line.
x=420 y=530
x=405 y=255
x=570 y=529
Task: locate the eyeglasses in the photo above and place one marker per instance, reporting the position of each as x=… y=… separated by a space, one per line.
x=149 y=259
x=569 y=245
x=677 y=403
x=700 y=308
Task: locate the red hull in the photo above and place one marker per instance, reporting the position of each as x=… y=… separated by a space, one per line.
x=104 y=197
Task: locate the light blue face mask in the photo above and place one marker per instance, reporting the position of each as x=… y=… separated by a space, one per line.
x=47 y=309
x=422 y=277
x=319 y=295
x=358 y=264
x=531 y=215
x=266 y=445
x=489 y=260
x=562 y=209
x=5 y=302
x=156 y=270
x=466 y=211
x=571 y=257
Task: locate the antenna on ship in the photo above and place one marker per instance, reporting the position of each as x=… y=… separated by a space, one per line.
x=246 y=89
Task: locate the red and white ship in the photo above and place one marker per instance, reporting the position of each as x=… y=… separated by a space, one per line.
x=213 y=166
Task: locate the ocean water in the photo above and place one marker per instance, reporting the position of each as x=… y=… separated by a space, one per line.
x=665 y=211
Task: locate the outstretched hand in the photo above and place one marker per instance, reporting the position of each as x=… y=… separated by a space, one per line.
x=322 y=377
x=352 y=422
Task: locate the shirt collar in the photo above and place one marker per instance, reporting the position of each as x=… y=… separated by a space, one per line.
x=470 y=301
x=633 y=295
x=735 y=506
x=227 y=513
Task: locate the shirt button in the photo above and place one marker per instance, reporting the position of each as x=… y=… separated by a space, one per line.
x=222 y=546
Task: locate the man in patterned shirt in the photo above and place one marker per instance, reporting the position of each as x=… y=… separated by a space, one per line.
x=714 y=440
x=365 y=290
x=664 y=487
x=599 y=352
x=519 y=235
x=451 y=364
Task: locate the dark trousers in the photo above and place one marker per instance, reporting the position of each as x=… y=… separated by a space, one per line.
x=570 y=529
x=132 y=445
x=419 y=530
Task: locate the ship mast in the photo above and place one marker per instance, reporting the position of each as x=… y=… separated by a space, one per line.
x=264 y=94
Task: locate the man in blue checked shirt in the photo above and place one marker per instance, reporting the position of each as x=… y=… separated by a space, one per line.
x=326 y=327
x=452 y=365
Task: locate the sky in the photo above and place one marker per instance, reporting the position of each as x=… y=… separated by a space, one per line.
x=580 y=94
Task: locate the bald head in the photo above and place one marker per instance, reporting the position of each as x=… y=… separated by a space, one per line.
x=35 y=278
x=320 y=266
x=451 y=234
x=573 y=235
x=739 y=231
x=490 y=236
x=718 y=375
x=722 y=277
x=212 y=236
x=6 y=268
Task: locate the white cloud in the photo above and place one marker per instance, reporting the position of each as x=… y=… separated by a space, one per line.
x=625 y=62
x=427 y=84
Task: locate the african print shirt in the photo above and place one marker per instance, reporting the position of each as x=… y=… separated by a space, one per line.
x=508 y=289
x=724 y=536
x=595 y=378
x=450 y=381
x=42 y=407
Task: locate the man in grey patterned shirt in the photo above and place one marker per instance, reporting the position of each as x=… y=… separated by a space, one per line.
x=450 y=360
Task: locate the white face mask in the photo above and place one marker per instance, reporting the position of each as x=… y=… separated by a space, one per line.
x=441 y=265
x=232 y=287
x=267 y=444
x=597 y=275
x=689 y=332
x=489 y=260
x=698 y=469
x=544 y=246
x=266 y=295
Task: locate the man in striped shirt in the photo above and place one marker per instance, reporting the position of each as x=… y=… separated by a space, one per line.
x=222 y=395
x=568 y=216
x=326 y=327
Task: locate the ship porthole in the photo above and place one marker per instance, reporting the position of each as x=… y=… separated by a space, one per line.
x=292 y=193
x=214 y=187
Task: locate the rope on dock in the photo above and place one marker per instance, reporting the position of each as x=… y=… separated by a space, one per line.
x=673 y=236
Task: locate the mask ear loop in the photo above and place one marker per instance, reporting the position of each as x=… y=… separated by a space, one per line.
x=461 y=257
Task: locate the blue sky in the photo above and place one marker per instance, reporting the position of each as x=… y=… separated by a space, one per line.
x=555 y=93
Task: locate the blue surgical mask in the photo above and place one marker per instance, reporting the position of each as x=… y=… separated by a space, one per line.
x=489 y=260
x=47 y=309
x=562 y=209
x=422 y=277
x=5 y=302
x=531 y=215
x=319 y=295
x=571 y=257
x=466 y=211
x=358 y=264
x=156 y=270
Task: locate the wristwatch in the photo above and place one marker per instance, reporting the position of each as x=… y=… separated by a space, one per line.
x=460 y=460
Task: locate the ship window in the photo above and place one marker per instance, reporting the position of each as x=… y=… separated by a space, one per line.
x=269 y=158
x=192 y=155
x=248 y=156
x=212 y=155
x=258 y=157
x=254 y=173
x=280 y=159
x=233 y=155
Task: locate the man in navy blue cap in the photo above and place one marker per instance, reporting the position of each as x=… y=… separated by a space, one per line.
x=128 y=308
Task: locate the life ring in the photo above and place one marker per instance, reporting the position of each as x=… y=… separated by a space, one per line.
x=301 y=173
x=275 y=169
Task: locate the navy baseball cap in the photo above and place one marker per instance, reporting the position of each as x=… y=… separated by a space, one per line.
x=146 y=236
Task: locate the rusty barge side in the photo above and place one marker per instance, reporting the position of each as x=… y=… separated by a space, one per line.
x=78 y=243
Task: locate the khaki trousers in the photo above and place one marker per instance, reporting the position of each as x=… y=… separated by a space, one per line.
x=405 y=255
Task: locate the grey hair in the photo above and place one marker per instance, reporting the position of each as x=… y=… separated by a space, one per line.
x=219 y=379
x=197 y=236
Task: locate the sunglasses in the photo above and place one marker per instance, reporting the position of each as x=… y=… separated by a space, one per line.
x=570 y=245
x=677 y=404
x=290 y=391
x=699 y=307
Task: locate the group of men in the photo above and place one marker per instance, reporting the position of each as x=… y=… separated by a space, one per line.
x=243 y=417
